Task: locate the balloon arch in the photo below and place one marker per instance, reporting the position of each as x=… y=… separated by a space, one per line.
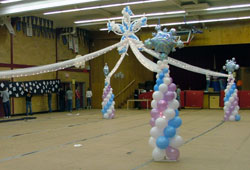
x=165 y=119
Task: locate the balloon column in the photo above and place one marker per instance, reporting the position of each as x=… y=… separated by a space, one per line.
x=231 y=106
x=108 y=109
x=165 y=120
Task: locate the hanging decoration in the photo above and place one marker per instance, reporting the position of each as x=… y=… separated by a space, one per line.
x=231 y=99
x=164 y=42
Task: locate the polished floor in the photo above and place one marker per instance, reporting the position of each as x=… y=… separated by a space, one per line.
x=84 y=141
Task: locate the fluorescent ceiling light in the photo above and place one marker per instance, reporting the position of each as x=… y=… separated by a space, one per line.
x=9 y=1
x=227 y=7
x=101 y=6
x=194 y=22
x=134 y=16
x=41 y=5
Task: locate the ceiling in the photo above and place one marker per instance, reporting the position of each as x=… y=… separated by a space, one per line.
x=193 y=10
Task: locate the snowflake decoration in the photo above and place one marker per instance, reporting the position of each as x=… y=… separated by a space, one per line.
x=164 y=42
x=231 y=66
x=127 y=29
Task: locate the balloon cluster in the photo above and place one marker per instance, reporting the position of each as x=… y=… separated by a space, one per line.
x=163 y=42
x=231 y=66
x=165 y=119
x=108 y=109
x=231 y=99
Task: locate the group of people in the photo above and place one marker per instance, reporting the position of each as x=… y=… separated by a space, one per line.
x=62 y=96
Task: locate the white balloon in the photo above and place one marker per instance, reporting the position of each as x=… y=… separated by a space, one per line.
x=157 y=76
x=157 y=95
x=159 y=62
x=158 y=154
x=237 y=108
x=169 y=113
x=174 y=104
x=152 y=142
x=165 y=62
x=106 y=115
x=224 y=108
x=109 y=111
x=227 y=103
x=155 y=132
x=106 y=100
x=236 y=91
x=231 y=99
x=162 y=66
x=232 y=118
x=109 y=95
x=235 y=112
x=176 y=141
x=160 y=123
x=163 y=88
x=167 y=80
x=112 y=107
x=154 y=104
x=175 y=95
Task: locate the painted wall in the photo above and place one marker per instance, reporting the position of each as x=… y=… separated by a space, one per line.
x=130 y=67
x=33 y=51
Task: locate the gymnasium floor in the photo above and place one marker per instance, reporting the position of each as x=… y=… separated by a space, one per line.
x=47 y=143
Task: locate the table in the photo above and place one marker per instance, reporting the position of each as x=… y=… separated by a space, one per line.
x=138 y=100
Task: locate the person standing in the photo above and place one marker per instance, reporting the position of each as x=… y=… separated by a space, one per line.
x=6 y=102
x=69 y=95
x=49 y=100
x=178 y=92
x=78 y=97
x=89 y=96
x=28 y=101
x=207 y=82
x=61 y=99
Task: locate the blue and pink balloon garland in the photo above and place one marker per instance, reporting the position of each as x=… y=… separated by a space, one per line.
x=231 y=99
x=108 y=109
x=165 y=120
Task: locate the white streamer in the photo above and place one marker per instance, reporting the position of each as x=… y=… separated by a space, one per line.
x=117 y=65
x=142 y=59
x=56 y=66
x=186 y=66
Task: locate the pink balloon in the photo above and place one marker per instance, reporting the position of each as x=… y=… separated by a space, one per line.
x=228 y=113
x=152 y=122
x=112 y=115
x=226 y=118
x=172 y=153
x=161 y=105
x=172 y=87
x=169 y=96
x=155 y=113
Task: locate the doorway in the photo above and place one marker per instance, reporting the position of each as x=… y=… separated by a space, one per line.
x=65 y=86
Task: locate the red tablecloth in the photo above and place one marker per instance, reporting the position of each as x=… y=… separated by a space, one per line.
x=194 y=98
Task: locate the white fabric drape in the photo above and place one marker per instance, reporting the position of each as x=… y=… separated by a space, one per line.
x=186 y=66
x=56 y=66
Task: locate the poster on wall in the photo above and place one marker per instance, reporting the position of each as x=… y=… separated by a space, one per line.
x=16 y=89
x=70 y=42
x=76 y=47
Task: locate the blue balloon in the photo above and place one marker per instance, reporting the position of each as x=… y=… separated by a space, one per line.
x=161 y=75
x=237 y=117
x=103 y=111
x=106 y=108
x=156 y=88
x=165 y=70
x=106 y=83
x=176 y=112
x=112 y=95
x=159 y=81
x=169 y=131
x=231 y=91
x=175 y=122
x=162 y=142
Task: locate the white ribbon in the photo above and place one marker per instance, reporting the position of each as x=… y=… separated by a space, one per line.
x=56 y=66
x=186 y=66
